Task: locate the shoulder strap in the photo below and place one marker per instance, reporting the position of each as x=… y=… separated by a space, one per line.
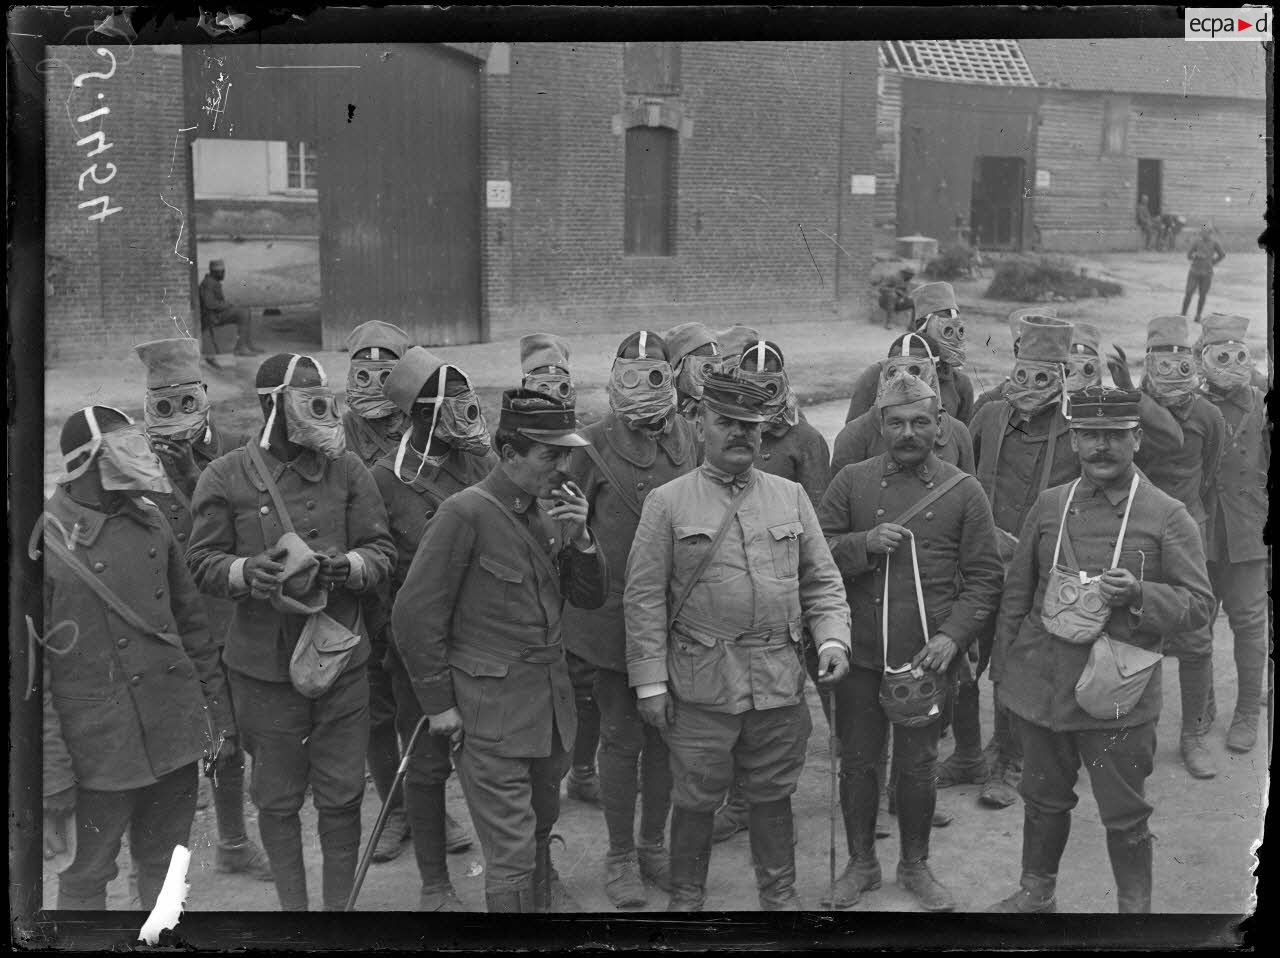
x=884 y=603
x=540 y=553
x=59 y=548
x=1063 y=538
x=1046 y=470
x=623 y=492
x=930 y=499
x=272 y=489
x=674 y=611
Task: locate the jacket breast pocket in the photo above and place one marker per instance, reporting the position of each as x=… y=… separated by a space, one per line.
x=507 y=582
x=692 y=544
x=784 y=544
x=477 y=690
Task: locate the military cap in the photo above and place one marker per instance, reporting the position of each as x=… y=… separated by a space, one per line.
x=903 y=389
x=540 y=417
x=685 y=338
x=407 y=378
x=1044 y=339
x=1168 y=332
x=1086 y=337
x=734 y=339
x=216 y=264
x=1104 y=407
x=643 y=345
x=1015 y=317
x=728 y=394
x=376 y=334
x=932 y=297
x=543 y=349
x=170 y=362
x=1223 y=328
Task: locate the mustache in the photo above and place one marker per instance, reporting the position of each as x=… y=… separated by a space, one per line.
x=1100 y=457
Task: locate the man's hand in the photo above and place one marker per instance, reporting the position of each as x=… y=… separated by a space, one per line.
x=657 y=710
x=885 y=538
x=179 y=459
x=571 y=507
x=833 y=665
x=1118 y=363
x=937 y=653
x=262 y=572
x=335 y=569
x=56 y=809
x=447 y=723
x=1120 y=587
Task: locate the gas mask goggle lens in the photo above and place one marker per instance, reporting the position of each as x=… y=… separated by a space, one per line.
x=642 y=391
x=693 y=371
x=1171 y=374
x=312 y=414
x=365 y=380
x=1083 y=369
x=1227 y=364
x=947 y=330
x=177 y=412
x=552 y=381
x=1034 y=385
x=923 y=367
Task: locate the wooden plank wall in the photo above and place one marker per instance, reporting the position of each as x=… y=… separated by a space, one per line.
x=888 y=121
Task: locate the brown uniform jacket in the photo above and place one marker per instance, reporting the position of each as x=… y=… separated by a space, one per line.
x=1237 y=498
x=122 y=707
x=863 y=439
x=600 y=635
x=955 y=538
x=955 y=389
x=332 y=503
x=477 y=621
x=1187 y=471
x=1037 y=672
x=799 y=454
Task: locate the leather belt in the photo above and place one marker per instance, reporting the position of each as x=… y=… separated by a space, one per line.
x=531 y=654
x=752 y=636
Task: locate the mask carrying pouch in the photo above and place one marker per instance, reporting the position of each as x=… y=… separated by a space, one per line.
x=1114 y=678
x=1074 y=608
x=910 y=697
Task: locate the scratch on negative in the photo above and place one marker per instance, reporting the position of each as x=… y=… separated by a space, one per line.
x=181 y=227
x=174 y=157
x=817 y=269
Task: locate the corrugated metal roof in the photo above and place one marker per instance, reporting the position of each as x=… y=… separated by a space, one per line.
x=1158 y=65
x=990 y=62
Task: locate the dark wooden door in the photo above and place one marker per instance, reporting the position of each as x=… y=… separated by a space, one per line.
x=995 y=216
x=1150 y=181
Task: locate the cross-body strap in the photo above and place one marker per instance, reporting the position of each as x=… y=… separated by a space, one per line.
x=624 y=493
x=674 y=611
x=884 y=603
x=1064 y=539
x=930 y=499
x=59 y=548
x=539 y=551
x=1046 y=468
x=272 y=489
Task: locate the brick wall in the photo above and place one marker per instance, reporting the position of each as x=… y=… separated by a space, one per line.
x=114 y=282
x=758 y=187
x=1214 y=154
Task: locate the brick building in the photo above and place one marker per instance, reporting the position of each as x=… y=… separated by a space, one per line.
x=474 y=191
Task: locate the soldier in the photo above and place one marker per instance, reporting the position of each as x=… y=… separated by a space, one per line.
x=298 y=475
x=1187 y=473
x=714 y=620
x=1204 y=254
x=732 y=340
x=694 y=353
x=544 y=359
x=374 y=427
x=863 y=438
x=176 y=416
x=216 y=310
x=639 y=445
x=1015 y=331
x=935 y=316
x=477 y=623
x=1237 y=513
x=904 y=504
x=1140 y=562
x=133 y=691
x=444 y=450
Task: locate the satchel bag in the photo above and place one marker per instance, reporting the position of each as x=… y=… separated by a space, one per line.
x=911 y=697
x=1074 y=608
x=1114 y=678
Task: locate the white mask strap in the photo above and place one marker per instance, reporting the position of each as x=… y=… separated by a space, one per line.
x=91 y=447
x=644 y=338
x=274 y=393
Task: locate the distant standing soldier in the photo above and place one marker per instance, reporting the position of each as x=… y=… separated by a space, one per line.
x=1146 y=221
x=1137 y=555
x=216 y=310
x=1237 y=513
x=183 y=434
x=1205 y=253
x=694 y=353
x=714 y=620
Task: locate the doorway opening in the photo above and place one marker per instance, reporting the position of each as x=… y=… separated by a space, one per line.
x=995 y=211
x=1150 y=183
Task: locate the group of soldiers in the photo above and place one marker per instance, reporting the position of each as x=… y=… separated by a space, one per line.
x=634 y=605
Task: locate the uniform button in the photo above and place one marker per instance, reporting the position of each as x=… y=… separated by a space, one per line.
x=928 y=515
x=122 y=643
x=313 y=533
x=928 y=485
x=876 y=600
x=639 y=485
x=136 y=680
x=311 y=503
x=879 y=512
x=99 y=566
x=766 y=456
x=265 y=510
x=182 y=537
x=152 y=552
x=884 y=483
x=159 y=593
x=172 y=668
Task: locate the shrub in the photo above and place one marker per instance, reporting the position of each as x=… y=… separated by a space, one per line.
x=951 y=262
x=1037 y=279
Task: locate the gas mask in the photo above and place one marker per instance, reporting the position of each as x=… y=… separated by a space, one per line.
x=946 y=330
x=180 y=412
x=554 y=382
x=750 y=367
x=126 y=461
x=456 y=420
x=1171 y=376
x=922 y=366
x=691 y=372
x=790 y=415
x=1083 y=369
x=312 y=419
x=364 y=387
x=642 y=392
x=1034 y=385
x=1226 y=365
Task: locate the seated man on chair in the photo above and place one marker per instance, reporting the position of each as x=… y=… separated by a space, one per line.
x=216 y=311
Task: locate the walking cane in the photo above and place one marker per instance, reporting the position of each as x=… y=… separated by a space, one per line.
x=382 y=816
x=834 y=746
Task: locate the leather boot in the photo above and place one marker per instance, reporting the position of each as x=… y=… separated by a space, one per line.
x=456 y=836
x=1130 y=853
x=965 y=765
x=243 y=857
x=440 y=898
x=425 y=807
x=1044 y=837
x=517 y=900
x=1251 y=668
x=773 y=852
x=655 y=865
x=584 y=784
x=395 y=832
x=340 y=853
x=622 y=880
x=70 y=902
x=1195 y=677
x=915 y=820
x=549 y=893
x=731 y=817
x=282 y=841
x=1242 y=736
x=1001 y=787
x=690 y=857
x=859 y=801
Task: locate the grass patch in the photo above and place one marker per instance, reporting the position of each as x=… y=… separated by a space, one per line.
x=952 y=262
x=1037 y=279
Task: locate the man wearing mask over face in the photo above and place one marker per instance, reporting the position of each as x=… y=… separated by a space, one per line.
x=129 y=709
x=342 y=550
x=478 y=624
x=639 y=445
x=1186 y=473
x=544 y=361
x=177 y=420
x=1021 y=446
x=444 y=450
x=694 y=353
x=373 y=427
x=936 y=317
x=1237 y=513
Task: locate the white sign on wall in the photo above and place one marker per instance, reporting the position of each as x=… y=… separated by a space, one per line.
x=498 y=194
x=860 y=185
x=1043 y=179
